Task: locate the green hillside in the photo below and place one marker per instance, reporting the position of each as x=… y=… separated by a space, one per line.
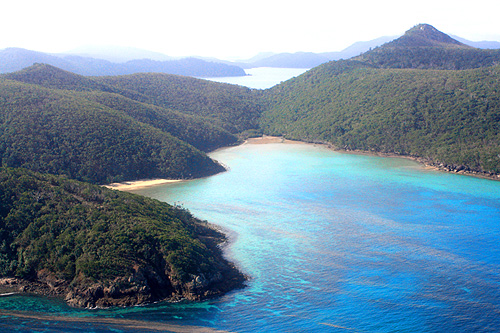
x=62 y=132
x=423 y=95
x=450 y=117
x=234 y=108
x=425 y=47
x=194 y=130
x=119 y=128
x=191 y=129
x=98 y=247
x=400 y=99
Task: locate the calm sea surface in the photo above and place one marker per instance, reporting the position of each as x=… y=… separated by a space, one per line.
x=261 y=77
x=332 y=242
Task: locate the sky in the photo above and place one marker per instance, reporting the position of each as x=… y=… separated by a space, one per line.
x=232 y=29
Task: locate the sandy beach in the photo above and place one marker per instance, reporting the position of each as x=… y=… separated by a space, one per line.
x=137 y=184
x=425 y=164
x=270 y=139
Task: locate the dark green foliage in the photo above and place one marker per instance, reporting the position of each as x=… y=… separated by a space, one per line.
x=231 y=107
x=194 y=131
x=52 y=77
x=425 y=35
x=430 y=58
x=83 y=233
x=63 y=132
x=400 y=98
x=191 y=129
x=445 y=116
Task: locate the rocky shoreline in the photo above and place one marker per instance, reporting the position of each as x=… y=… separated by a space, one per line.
x=142 y=291
x=460 y=169
x=147 y=284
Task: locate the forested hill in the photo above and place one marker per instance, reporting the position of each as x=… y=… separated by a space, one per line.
x=98 y=247
x=58 y=122
x=445 y=117
x=400 y=98
x=425 y=47
x=234 y=108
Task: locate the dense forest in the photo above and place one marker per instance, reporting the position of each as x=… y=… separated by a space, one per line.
x=425 y=47
x=234 y=108
x=99 y=247
x=58 y=122
x=448 y=118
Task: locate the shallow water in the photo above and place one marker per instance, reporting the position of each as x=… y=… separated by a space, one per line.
x=332 y=242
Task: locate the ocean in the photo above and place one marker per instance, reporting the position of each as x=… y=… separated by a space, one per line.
x=261 y=77
x=331 y=242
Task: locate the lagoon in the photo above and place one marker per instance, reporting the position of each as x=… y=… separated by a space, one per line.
x=331 y=242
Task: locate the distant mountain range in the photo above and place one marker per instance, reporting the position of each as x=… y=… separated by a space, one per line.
x=118 y=54
x=105 y=61
x=14 y=59
x=310 y=60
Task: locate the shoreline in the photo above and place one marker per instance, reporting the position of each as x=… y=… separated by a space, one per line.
x=268 y=139
x=430 y=165
x=141 y=183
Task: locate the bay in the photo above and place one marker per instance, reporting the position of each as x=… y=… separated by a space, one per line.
x=331 y=242
x=261 y=77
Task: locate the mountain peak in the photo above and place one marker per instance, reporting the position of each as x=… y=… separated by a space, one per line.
x=425 y=35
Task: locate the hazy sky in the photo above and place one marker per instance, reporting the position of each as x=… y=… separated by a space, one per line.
x=233 y=28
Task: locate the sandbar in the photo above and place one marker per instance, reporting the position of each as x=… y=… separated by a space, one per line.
x=138 y=184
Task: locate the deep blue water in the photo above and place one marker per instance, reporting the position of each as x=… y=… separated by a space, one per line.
x=332 y=242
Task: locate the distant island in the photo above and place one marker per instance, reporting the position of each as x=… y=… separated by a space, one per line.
x=15 y=59
x=109 y=61
x=423 y=95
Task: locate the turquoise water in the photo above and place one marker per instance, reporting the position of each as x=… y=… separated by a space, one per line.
x=332 y=242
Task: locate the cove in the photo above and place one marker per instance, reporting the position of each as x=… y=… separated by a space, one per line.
x=331 y=242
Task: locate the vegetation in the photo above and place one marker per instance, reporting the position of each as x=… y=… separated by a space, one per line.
x=446 y=117
x=424 y=47
x=61 y=133
x=423 y=95
x=62 y=123
x=451 y=117
x=231 y=107
x=81 y=234
x=431 y=58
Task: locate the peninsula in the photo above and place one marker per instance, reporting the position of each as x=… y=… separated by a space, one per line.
x=96 y=247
